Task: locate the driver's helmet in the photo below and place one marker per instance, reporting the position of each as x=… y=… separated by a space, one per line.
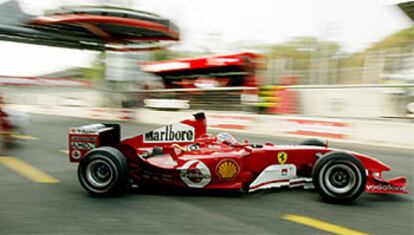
x=226 y=138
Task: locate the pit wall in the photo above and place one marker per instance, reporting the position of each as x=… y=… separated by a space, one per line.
x=386 y=133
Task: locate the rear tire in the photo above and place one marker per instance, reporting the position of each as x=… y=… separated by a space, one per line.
x=339 y=177
x=103 y=171
x=313 y=142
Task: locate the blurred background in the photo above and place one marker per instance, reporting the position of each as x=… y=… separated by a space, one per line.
x=265 y=70
x=342 y=59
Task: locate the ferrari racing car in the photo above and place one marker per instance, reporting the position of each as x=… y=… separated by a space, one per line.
x=183 y=155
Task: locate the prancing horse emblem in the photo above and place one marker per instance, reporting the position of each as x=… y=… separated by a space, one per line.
x=282 y=157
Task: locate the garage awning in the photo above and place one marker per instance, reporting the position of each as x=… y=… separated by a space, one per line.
x=87 y=27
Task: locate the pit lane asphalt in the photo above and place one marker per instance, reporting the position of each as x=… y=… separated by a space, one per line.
x=64 y=207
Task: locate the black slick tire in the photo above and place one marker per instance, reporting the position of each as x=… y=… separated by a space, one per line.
x=103 y=172
x=339 y=177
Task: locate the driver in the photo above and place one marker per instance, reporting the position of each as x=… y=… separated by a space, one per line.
x=188 y=148
x=226 y=138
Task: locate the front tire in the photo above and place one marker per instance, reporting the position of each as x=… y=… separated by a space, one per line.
x=339 y=177
x=103 y=171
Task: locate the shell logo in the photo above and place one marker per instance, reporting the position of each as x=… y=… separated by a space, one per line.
x=227 y=169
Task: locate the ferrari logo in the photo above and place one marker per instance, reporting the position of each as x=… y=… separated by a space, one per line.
x=282 y=157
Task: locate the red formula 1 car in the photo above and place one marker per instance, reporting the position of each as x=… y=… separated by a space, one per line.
x=184 y=155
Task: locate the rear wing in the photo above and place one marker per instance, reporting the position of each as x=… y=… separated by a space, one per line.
x=85 y=138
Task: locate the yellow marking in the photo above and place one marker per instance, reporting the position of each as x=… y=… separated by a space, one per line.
x=271 y=87
x=65 y=151
x=267 y=93
x=282 y=157
x=27 y=170
x=269 y=99
x=23 y=137
x=267 y=105
x=318 y=224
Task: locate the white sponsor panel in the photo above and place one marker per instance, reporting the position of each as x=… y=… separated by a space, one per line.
x=385 y=187
x=274 y=176
x=195 y=174
x=177 y=133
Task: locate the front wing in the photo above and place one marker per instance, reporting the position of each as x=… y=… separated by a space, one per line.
x=277 y=176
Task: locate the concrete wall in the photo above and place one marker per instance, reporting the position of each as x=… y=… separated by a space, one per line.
x=353 y=103
x=52 y=96
x=322 y=102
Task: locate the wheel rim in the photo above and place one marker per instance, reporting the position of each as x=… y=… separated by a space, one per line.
x=99 y=173
x=340 y=178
